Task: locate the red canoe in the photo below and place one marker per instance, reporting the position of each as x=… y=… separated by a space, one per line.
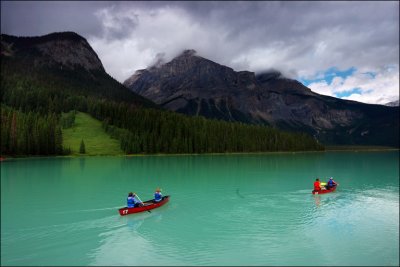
x=319 y=192
x=148 y=205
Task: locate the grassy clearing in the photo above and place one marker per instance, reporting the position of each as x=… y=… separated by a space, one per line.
x=97 y=142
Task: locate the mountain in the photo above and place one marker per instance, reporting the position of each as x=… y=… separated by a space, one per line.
x=393 y=104
x=67 y=61
x=64 y=50
x=194 y=85
x=46 y=79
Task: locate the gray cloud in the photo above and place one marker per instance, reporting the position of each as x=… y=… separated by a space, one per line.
x=116 y=27
x=300 y=38
x=33 y=18
x=159 y=60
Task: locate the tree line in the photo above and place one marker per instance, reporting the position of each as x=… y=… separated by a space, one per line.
x=30 y=133
x=154 y=131
x=32 y=104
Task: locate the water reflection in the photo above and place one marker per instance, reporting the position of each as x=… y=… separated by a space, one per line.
x=134 y=221
x=317 y=199
x=237 y=193
x=127 y=244
x=82 y=163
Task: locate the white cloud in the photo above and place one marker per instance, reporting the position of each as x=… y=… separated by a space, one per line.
x=299 y=38
x=322 y=87
x=116 y=27
x=379 y=89
x=164 y=31
x=249 y=44
x=343 y=36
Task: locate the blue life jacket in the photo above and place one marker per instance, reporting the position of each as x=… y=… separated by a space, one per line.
x=330 y=182
x=130 y=202
x=157 y=196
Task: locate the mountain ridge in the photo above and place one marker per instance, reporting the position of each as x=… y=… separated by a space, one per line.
x=42 y=79
x=196 y=86
x=55 y=49
x=67 y=59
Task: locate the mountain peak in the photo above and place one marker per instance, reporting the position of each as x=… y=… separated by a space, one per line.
x=269 y=75
x=197 y=86
x=60 y=49
x=188 y=53
x=189 y=56
x=28 y=41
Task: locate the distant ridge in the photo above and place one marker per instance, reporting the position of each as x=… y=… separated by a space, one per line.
x=393 y=104
x=196 y=86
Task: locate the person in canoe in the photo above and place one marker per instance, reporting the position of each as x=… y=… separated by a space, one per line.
x=317 y=185
x=331 y=183
x=157 y=195
x=132 y=201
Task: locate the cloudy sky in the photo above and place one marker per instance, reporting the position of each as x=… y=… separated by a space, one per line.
x=345 y=49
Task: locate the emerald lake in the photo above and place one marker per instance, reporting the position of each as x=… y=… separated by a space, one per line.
x=236 y=209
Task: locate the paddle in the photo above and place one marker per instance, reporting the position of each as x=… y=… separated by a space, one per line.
x=142 y=202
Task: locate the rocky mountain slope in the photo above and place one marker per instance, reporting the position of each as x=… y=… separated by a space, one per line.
x=193 y=85
x=67 y=50
x=64 y=60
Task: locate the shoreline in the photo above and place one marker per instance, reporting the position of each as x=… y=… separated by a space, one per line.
x=327 y=149
x=360 y=148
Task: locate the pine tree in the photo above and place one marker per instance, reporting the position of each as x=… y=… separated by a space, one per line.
x=82 y=149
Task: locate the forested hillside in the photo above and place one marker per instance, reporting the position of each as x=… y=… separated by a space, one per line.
x=30 y=133
x=36 y=88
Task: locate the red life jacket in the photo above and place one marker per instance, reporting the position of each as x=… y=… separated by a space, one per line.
x=317 y=186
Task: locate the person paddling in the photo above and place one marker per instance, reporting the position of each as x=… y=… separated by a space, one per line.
x=157 y=195
x=133 y=201
x=317 y=185
x=331 y=183
x=130 y=201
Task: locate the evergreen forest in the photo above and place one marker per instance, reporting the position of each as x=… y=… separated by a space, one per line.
x=33 y=100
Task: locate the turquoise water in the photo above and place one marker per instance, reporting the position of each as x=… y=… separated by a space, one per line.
x=224 y=210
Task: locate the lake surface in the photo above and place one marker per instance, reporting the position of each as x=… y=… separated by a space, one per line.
x=248 y=209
